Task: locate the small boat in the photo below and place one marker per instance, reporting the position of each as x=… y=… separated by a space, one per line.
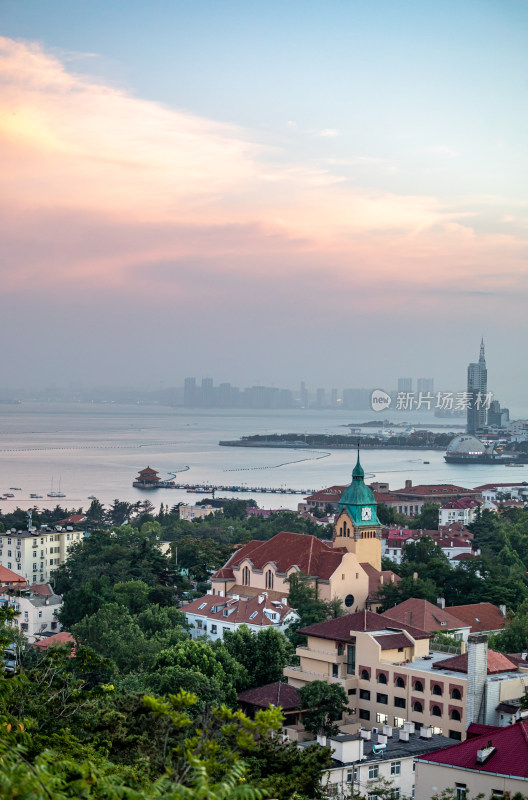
x=8 y=494
x=427 y=462
x=92 y=497
x=35 y=496
x=15 y=488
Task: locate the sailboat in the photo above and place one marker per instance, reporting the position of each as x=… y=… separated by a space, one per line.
x=56 y=494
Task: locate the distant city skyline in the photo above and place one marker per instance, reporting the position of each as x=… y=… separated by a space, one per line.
x=263 y=193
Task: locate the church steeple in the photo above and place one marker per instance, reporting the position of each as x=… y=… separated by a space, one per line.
x=358 y=473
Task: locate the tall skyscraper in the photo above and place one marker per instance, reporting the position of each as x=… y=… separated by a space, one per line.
x=189 y=392
x=425 y=385
x=405 y=384
x=477 y=387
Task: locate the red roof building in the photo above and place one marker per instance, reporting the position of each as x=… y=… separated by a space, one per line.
x=10 y=579
x=53 y=641
x=214 y=615
x=482 y=617
x=426 y=616
x=494 y=764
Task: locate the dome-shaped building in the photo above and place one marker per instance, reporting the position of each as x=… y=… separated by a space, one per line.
x=466 y=448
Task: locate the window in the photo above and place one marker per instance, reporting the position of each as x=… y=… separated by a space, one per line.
x=382 y=678
x=339 y=649
x=26 y=615
x=398 y=722
x=335 y=671
x=34 y=567
x=455 y=714
x=395 y=767
x=456 y=695
x=437 y=689
x=9 y=565
x=351 y=775
x=383 y=719
x=364 y=694
x=418 y=686
x=455 y=735
x=9 y=553
x=213 y=629
x=436 y=712
x=269 y=579
x=34 y=554
x=496 y=794
x=246 y=576
x=19 y=566
x=202 y=605
x=351 y=659
x=400 y=683
x=382 y=698
x=399 y=702
x=364 y=675
x=352 y=691
x=373 y=771
x=199 y=624
x=364 y=714
x=460 y=791
x=418 y=707
x=395 y=794
x=349 y=600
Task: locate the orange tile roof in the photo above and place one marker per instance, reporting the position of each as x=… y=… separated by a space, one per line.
x=57 y=639
x=7 y=576
x=343 y=628
x=497 y=662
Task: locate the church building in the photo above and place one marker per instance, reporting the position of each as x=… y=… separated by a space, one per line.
x=347 y=568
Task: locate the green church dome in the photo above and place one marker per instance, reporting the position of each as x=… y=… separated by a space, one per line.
x=359 y=496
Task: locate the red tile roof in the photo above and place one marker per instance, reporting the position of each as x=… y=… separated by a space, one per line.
x=462 y=503
x=311 y=555
x=43 y=589
x=330 y=495
x=481 y=616
x=487 y=486
x=343 y=628
x=432 y=490
x=8 y=577
x=510 y=756
x=274 y=694
x=424 y=615
x=375 y=578
x=241 y=610
x=58 y=638
x=391 y=641
x=497 y=662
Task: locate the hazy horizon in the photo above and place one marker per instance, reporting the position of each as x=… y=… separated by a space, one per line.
x=263 y=193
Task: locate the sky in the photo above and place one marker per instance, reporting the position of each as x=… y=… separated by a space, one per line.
x=263 y=192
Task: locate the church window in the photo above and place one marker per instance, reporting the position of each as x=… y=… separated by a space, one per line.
x=269 y=579
x=245 y=576
x=349 y=600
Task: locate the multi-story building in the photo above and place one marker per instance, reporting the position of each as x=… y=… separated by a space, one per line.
x=413 y=498
x=36 y=611
x=463 y=510
x=452 y=543
x=425 y=385
x=405 y=384
x=34 y=555
x=391 y=677
x=494 y=764
x=214 y=615
x=477 y=387
x=366 y=762
x=197 y=512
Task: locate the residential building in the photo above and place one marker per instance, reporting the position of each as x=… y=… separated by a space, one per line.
x=481 y=617
x=10 y=579
x=214 y=614
x=348 y=568
x=477 y=388
x=463 y=510
x=57 y=640
x=34 y=555
x=36 y=612
x=197 y=512
x=413 y=498
x=394 y=541
x=495 y=493
x=390 y=675
x=368 y=760
x=494 y=764
x=425 y=386
x=424 y=615
x=278 y=694
x=405 y=384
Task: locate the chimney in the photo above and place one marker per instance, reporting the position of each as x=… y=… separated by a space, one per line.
x=477 y=648
x=502 y=609
x=284 y=601
x=381 y=580
x=426 y=732
x=463 y=647
x=440 y=602
x=404 y=735
x=321 y=739
x=408 y=484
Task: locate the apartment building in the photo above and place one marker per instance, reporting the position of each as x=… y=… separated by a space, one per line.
x=35 y=554
x=366 y=762
x=463 y=510
x=36 y=612
x=214 y=615
x=494 y=765
x=391 y=677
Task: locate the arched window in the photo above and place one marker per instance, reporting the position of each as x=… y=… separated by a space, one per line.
x=364 y=675
x=418 y=707
x=455 y=694
x=400 y=683
x=382 y=678
x=455 y=714
x=437 y=689
x=435 y=711
x=418 y=686
x=245 y=576
x=269 y=579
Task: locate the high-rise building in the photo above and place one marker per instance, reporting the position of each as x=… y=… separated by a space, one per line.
x=425 y=385
x=189 y=392
x=405 y=384
x=477 y=387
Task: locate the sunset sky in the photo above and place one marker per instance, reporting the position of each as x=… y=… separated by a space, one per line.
x=263 y=192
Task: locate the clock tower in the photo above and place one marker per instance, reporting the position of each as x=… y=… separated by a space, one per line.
x=357 y=526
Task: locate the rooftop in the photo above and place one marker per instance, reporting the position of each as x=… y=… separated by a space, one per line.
x=481 y=616
x=343 y=628
x=275 y=694
x=396 y=749
x=424 y=615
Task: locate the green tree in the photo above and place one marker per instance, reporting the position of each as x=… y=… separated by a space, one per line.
x=325 y=703
x=264 y=654
x=427 y=519
x=514 y=638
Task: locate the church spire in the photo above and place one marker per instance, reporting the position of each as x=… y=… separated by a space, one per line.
x=358 y=473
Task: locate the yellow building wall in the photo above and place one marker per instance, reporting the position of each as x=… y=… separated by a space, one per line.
x=364 y=542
